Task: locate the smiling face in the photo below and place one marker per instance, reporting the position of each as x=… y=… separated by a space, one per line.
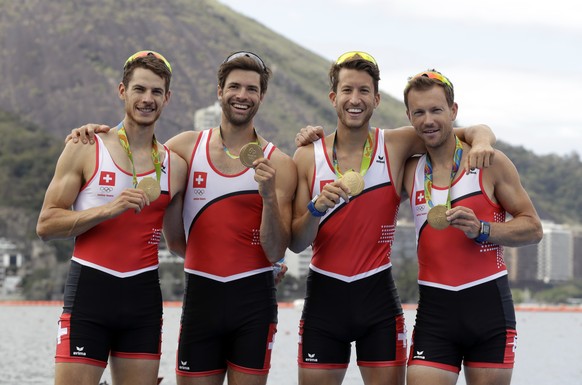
x=241 y=96
x=431 y=115
x=145 y=96
x=355 y=98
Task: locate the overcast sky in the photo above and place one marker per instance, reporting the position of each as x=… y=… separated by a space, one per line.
x=516 y=65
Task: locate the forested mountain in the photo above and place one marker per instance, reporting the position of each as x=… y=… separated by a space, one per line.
x=61 y=61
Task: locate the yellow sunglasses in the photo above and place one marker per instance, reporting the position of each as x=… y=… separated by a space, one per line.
x=351 y=54
x=432 y=74
x=148 y=53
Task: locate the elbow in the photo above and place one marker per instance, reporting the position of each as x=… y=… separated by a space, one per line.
x=42 y=231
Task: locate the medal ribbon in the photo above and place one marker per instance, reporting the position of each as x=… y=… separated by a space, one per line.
x=155 y=155
x=230 y=155
x=366 y=156
x=428 y=174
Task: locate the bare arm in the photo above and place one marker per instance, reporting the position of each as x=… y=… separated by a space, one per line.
x=304 y=225
x=173 y=223
x=277 y=179
x=502 y=183
x=57 y=219
x=481 y=138
x=86 y=133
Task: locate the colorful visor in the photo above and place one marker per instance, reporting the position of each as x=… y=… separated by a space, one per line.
x=434 y=75
x=248 y=54
x=351 y=54
x=148 y=53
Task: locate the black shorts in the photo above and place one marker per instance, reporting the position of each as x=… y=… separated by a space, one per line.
x=474 y=326
x=105 y=315
x=337 y=313
x=227 y=324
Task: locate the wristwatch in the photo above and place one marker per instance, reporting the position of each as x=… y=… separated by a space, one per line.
x=484 y=232
x=311 y=207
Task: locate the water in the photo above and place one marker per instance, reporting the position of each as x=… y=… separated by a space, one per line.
x=549 y=350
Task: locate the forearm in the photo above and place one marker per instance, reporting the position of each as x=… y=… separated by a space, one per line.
x=275 y=232
x=60 y=223
x=304 y=231
x=478 y=134
x=521 y=231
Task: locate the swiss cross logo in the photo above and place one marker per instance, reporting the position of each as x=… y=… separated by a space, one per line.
x=107 y=178
x=420 y=198
x=323 y=183
x=199 y=180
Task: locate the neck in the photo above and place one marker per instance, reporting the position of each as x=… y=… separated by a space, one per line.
x=138 y=135
x=237 y=136
x=349 y=139
x=443 y=153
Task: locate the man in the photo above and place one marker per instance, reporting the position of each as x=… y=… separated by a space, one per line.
x=238 y=222
x=351 y=294
x=465 y=312
x=99 y=195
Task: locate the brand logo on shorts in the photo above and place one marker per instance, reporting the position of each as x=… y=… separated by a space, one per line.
x=184 y=365
x=310 y=358
x=79 y=351
x=419 y=355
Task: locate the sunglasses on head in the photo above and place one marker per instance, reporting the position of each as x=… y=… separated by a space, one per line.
x=147 y=53
x=351 y=54
x=248 y=54
x=432 y=74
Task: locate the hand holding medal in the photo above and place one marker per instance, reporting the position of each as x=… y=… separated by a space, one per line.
x=151 y=187
x=354 y=181
x=249 y=153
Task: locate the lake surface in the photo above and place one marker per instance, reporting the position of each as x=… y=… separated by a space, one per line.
x=549 y=350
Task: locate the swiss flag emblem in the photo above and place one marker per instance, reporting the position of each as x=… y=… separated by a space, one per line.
x=199 y=180
x=107 y=178
x=420 y=198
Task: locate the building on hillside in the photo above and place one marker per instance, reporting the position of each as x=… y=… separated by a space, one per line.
x=298 y=264
x=555 y=254
x=207 y=117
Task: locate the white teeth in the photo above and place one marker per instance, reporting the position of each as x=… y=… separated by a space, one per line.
x=242 y=106
x=354 y=110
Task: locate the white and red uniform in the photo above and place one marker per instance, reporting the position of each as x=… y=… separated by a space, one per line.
x=354 y=240
x=465 y=313
x=137 y=235
x=351 y=295
x=228 y=275
x=112 y=299
x=222 y=219
x=447 y=258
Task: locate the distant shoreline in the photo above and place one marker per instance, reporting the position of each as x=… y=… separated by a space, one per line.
x=290 y=305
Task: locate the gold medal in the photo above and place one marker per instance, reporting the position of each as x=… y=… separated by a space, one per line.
x=437 y=217
x=151 y=187
x=354 y=181
x=249 y=153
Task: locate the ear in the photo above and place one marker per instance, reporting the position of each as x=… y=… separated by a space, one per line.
x=218 y=92
x=332 y=96
x=377 y=100
x=121 y=91
x=167 y=97
x=454 y=110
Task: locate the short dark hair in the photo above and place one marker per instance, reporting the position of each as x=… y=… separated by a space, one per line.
x=246 y=61
x=358 y=63
x=151 y=63
x=423 y=83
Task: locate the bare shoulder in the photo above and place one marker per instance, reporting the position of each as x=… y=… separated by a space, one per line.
x=183 y=143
